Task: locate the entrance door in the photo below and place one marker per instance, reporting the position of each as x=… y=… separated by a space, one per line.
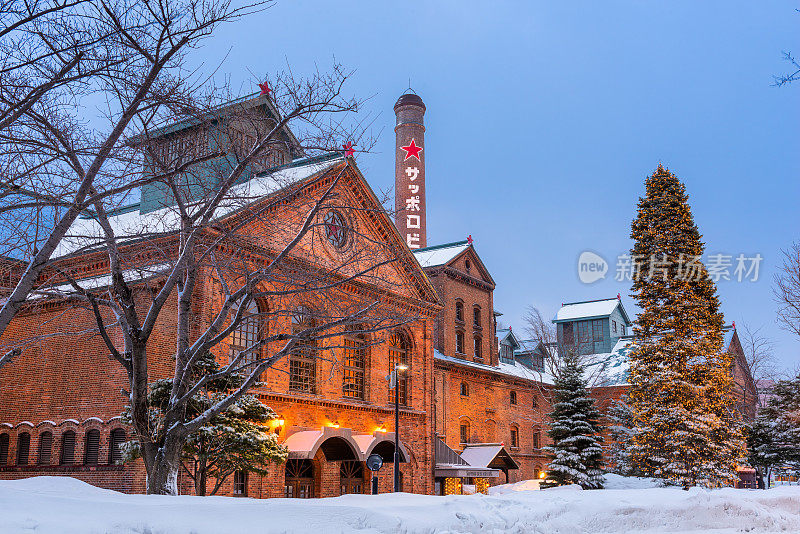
x=299 y=482
x=351 y=477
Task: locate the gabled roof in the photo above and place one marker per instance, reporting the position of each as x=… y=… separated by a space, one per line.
x=504 y=334
x=590 y=309
x=492 y=455
x=440 y=254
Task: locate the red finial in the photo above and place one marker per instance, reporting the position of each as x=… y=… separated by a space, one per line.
x=348 y=149
x=265 y=90
x=469 y=239
x=734 y=325
x=618 y=297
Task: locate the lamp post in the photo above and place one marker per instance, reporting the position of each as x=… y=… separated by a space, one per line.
x=395 y=378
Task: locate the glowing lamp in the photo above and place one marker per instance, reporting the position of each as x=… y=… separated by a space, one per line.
x=401 y=367
x=542 y=475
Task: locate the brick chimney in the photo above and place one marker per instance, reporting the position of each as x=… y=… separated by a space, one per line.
x=409 y=170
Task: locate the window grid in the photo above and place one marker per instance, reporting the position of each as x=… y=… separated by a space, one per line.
x=399 y=354
x=245 y=336
x=303 y=359
x=514 y=437
x=240 y=483
x=355 y=363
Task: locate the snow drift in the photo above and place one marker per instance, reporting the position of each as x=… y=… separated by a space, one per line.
x=64 y=505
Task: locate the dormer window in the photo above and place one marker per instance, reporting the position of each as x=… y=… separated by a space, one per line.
x=506 y=353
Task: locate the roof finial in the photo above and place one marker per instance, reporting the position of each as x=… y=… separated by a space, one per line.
x=469 y=239
x=734 y=325
x=618 y=297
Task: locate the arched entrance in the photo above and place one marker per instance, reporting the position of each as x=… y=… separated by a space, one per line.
x=299 y=481
x=351 y=477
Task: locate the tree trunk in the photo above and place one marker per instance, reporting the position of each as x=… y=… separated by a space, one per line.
x=201 y=476
x=162 y=475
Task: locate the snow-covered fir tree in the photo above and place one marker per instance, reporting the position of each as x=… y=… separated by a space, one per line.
x=685 y=428
x=576 y=453
x=620 y=416
x=773 y=439
x=237 y=439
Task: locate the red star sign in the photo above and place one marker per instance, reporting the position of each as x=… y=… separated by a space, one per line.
x=265 y=90
x=412 y=150
x=469 y=239
x=348 y=149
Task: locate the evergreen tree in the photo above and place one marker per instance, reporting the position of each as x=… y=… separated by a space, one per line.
x=685 y=428
x=235 y=440
x=773 y=439
x=621 y=417
x=576 y=453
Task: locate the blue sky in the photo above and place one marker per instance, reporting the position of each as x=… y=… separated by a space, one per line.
x=545 y=117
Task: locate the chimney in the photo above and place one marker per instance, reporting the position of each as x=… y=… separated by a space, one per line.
x=409 y=170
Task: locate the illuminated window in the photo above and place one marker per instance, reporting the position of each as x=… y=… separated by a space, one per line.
x=400 y=354
x=303 y=358
x=355 y=363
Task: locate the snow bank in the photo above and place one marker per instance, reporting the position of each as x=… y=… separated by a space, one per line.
x=62 y=505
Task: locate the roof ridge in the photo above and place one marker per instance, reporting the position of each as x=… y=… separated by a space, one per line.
x=444 y=245
x=587 y=301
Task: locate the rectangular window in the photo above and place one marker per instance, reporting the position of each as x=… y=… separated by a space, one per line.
x=478 y=351
x=240 y=483
x=460 y=342
x=476 y=317
x=583 y=332
x=514 y=438
x=355 y=360
x=614 y=326
x=536 y=444
x=597 y=330
x=464 y=433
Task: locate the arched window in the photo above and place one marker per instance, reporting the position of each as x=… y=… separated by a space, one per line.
x=91 y=454
x=303 y=359
x=246 y=335
x=115 y=442
x=463 y=431
x=512 y=397
x=514 y=436
x=478 y=343
x=476 y=316
x=23 y=448
x=3 y=449
x=299 y=480
x=460 y=342
x=355 y=364
x=45 y=448
x=464 y=389
x=537 y=443
x=534 y=402
x=400 y=354
x=459 y=311
x=67 y=448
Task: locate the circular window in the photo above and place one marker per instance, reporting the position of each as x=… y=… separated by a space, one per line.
x=336 y=229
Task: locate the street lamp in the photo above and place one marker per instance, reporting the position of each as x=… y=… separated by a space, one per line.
x=393 y=378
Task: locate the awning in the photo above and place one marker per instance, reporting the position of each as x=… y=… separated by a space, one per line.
x=336 y=444
x=381 y=443
x=489 y=455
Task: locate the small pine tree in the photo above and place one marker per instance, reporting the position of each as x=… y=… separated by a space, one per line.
x=576 y=453
x=621 y=417
x=235 y=440
x=684 y=426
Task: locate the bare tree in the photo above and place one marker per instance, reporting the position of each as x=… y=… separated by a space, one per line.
x=759 y=352
x=787 y=290
x=62 y=58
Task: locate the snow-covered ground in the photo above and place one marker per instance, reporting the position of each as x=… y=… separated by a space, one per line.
x=65 y=505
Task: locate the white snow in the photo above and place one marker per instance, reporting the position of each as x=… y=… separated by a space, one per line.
x=585 y=310
x=480 y=455
x=439 y=256
x=64 y=505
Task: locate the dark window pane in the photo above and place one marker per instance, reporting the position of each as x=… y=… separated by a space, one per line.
x=115 y=446
x=3 y=449
x=45 y=448
x=92 y=452
x=23 y=448
x=67 y=448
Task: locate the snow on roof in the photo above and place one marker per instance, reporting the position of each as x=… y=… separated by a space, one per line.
x=439 y=254
x=131 y=224
x=516 y=370
x=481 y=455
x=96 y=282
x=611 y=368
x=581 y=310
